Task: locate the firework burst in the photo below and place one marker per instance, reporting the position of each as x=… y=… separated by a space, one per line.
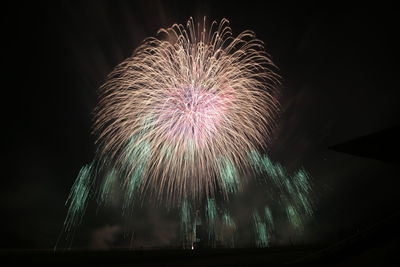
x=179 y=116
x=184 y=121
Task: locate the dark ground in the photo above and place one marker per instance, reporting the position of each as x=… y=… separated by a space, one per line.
x=376 y=246
x=215 y=257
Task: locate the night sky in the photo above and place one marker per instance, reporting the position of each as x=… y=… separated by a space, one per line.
x=340 y=82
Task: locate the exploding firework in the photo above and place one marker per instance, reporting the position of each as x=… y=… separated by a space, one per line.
x=183 y=122
x=178 y=118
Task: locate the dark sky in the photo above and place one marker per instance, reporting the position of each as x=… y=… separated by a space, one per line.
x=339 y=69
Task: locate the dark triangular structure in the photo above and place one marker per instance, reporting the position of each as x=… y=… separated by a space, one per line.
x=383 y=146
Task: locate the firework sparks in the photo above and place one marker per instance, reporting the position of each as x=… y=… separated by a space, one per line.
x=180 y=114
x=211 y=217
x=78 y=197
x=294 y=195
x=261 y=232
x=182 y=122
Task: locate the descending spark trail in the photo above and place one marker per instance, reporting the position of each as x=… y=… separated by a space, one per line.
x=183 y=121
x=292 y=194
x=261 y=231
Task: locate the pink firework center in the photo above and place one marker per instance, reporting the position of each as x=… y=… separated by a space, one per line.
x=194 y=113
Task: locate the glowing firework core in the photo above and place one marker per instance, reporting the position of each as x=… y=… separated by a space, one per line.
x=193 y=113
